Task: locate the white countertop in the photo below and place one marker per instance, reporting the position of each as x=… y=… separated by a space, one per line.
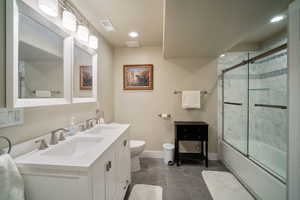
x=39 y=158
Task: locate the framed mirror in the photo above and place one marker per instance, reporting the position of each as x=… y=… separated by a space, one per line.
x=39 y=59
x=84 y=73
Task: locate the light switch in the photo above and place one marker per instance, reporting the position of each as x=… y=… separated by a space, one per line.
x=3 y=118
x=11 y=117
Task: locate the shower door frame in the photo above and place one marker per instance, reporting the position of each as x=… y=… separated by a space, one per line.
x=243 y=63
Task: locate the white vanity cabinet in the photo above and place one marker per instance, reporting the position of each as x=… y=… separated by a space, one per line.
x=102 y=177
x=123 y=167
x=107 y=178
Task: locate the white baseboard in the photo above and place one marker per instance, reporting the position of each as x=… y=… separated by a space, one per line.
x=213 y=156
x=159 y=154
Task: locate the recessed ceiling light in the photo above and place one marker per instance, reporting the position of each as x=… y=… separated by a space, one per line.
x=222 y=55
x=133 y=34
x=277 y=18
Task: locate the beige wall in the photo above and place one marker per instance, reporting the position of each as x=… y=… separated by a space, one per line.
x=2 y=53
x=105 y=77
x=41 y=120
x=140 y=108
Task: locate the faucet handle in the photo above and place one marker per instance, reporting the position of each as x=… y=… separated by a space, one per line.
x=61 y=136
x=91 y=125
x=43 y=144
x=53 y=139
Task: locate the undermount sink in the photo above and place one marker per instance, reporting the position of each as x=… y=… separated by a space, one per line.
x=77 y=146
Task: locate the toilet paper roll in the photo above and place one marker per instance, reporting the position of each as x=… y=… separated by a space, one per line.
x=165 y=115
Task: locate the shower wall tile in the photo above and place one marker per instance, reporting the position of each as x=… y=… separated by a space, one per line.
x=267 y=85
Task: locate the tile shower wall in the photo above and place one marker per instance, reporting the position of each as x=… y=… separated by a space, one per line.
x=267 y=126
x=235 y=118
x=235 y=107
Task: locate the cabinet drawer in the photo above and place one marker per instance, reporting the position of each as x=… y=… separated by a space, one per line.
x=192 y=132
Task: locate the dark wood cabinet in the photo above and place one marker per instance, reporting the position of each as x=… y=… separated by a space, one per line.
x=191 y=131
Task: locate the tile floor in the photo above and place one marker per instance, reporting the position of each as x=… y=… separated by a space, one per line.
x=179 y=183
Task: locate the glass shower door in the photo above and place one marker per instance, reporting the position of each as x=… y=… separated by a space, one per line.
x=235 y=107
x=268 y=129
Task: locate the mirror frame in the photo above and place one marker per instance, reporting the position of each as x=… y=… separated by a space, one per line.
x=94 y=55
x=12 y=57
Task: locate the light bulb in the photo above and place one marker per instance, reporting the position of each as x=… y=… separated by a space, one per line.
x=93 y=42
x=83 y=33
x=50 y=7
x=69 y=20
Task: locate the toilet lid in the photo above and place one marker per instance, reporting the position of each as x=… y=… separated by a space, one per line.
x=136 y=143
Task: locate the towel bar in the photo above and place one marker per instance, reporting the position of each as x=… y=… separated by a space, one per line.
x=180 y=92
x=9 y=144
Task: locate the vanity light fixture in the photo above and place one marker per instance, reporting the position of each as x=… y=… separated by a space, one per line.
x=93 y=42
x=69 y=20
x=83 y=33
x=133 y=34
x=50 y=7
x=277 y=18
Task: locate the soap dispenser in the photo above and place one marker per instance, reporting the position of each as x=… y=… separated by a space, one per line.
x=72 y=128
x=99 y=115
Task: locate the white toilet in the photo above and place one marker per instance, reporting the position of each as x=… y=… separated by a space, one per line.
x=136 y=148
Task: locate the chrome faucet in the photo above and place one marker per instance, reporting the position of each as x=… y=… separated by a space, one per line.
x=43 y=144
x=89 y=123
x=54 y=139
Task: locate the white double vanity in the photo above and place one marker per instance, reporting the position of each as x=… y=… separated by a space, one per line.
x=92 y=165
x=46 y=65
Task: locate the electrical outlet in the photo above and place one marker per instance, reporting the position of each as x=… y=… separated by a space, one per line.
x=11 y=117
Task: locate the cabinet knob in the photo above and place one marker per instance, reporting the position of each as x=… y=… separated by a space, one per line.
x=125 y=143
x=109 y=164
x=107 y=167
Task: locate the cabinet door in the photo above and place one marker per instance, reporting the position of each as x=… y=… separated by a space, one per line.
x=103 y=176
x=123 y=160
x=98 y=179
x=110 y=185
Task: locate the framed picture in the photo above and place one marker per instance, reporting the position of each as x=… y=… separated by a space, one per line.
x=138 y=77
x=86 y=77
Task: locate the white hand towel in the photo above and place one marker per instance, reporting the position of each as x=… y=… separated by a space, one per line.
x=11 y=182
x=43 y=93
x=191 y=99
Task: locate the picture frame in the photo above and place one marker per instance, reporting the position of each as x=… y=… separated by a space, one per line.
x=86 y=77
x=138 y=77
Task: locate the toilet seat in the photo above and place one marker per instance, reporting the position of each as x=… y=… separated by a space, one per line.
x=137 y=143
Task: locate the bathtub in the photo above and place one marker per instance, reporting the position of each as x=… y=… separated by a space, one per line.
x=260 y=173
x=269 y=157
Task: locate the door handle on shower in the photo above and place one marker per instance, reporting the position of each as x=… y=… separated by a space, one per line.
x=233 y=103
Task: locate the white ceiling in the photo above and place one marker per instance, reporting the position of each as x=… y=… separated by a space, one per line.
x=192 y=28
x=206 y=28
x=143 y=16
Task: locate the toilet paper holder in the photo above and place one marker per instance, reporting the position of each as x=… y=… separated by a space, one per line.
x=164 y=115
